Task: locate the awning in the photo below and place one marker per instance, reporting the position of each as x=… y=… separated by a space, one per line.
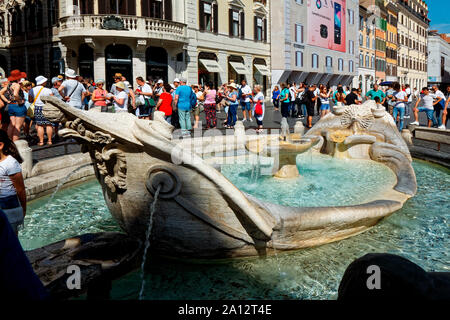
x=264 y=70
x=239 y=67
x=211 y=65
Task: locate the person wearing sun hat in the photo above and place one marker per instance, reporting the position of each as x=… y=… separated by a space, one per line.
x=42 y=123
x=14 y=97
x=72 y=90
x=120 y=100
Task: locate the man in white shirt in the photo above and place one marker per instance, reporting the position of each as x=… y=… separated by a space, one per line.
x=144 y=95
x=427 y=102
x=246 y=93
x=439 y=105
x=408 y=92
x=121 y=99
x=293 y=95
x=72 y=90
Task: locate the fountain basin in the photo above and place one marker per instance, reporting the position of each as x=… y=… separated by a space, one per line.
x=201 y=213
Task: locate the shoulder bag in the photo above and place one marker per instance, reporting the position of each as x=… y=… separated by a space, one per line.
x=30 y=111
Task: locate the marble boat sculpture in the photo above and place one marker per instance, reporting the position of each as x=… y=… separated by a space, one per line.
x=200 y=213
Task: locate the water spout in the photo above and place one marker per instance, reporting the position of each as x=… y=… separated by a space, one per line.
x=147 y=240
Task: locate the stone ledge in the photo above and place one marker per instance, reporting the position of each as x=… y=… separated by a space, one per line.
x=438 y=157
x=67 y=161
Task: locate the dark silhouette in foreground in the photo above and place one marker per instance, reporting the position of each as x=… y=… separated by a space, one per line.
x=17 y=278
x=399 y=278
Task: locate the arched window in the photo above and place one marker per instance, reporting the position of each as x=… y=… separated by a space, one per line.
x=160 y=9
x=123 y=7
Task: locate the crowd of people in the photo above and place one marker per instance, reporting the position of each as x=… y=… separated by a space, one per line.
x=304 y=101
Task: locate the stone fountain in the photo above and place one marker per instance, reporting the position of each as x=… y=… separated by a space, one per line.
x=200 y=213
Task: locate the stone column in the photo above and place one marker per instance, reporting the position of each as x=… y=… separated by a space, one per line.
x=138 y=8
x=223 y=62
x=248 y=61
x=191 y=72
x=139 y=64
x=99 y=62
x=96 y=6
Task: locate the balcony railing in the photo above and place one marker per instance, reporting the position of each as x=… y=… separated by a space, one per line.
x=134 y=27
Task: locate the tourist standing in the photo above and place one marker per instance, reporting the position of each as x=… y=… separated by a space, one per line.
x=210 y=105
x=42 y=123
x=13 y=199
x=389 y=99
x=376 y=92
x=100 y=97
x=352 y=98
x=445 y=111
x=300 y=101
x=246 y=93
x=144 y=95
x=26 y=87
x=183 y=103
x=310 y=100
x=400 y=99
x=324 y=97
x=439 y=105
x=56 y=83
x=232 y=98
x=72 y=90
x=120 y=100
x=13 y=95
x=259 y=108
x=427 y=106
x=284 y=99
x=276 y=98
x=293 y=95
x=3 y=105
x=165 y=102
x=196 y=110
x=408 y=104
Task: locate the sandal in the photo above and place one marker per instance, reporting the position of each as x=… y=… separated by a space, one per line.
x=49 y=143
x=40 y=144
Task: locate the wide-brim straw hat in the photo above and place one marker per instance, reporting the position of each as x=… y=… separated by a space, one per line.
x=232 y=85
x=120 y=85
x=16 y=75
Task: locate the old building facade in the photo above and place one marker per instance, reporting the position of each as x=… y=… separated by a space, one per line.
x=202 y=40
x=314 y=41
x=391 y=40
x=366 y=67
x=413 y=24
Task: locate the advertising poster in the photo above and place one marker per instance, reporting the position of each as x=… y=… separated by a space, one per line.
x=326 y=24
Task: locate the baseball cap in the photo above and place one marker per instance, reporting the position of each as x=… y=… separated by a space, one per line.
x=160 y=81
x=176 y=80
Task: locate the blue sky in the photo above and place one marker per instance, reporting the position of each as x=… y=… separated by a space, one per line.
x=439 y=14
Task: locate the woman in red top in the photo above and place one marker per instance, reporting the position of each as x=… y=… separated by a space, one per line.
x=99 y=96
x=165 y=102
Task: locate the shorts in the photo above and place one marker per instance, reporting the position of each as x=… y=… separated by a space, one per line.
x=13 y=211
x=246 y=106
x=145 y=110
x=325 y=106
x=16 y=110
x=429 y=112
x=196 y=109
x=310 y=110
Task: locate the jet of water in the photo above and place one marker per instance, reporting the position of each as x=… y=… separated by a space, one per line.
x=147 y=240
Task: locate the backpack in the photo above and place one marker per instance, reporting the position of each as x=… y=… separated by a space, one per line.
x=258 y=108
x=193 y=99
x=239 y=96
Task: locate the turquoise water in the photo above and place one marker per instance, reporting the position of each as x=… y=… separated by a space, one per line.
x=419 y=232
x=77 y=210
x=324 y=181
